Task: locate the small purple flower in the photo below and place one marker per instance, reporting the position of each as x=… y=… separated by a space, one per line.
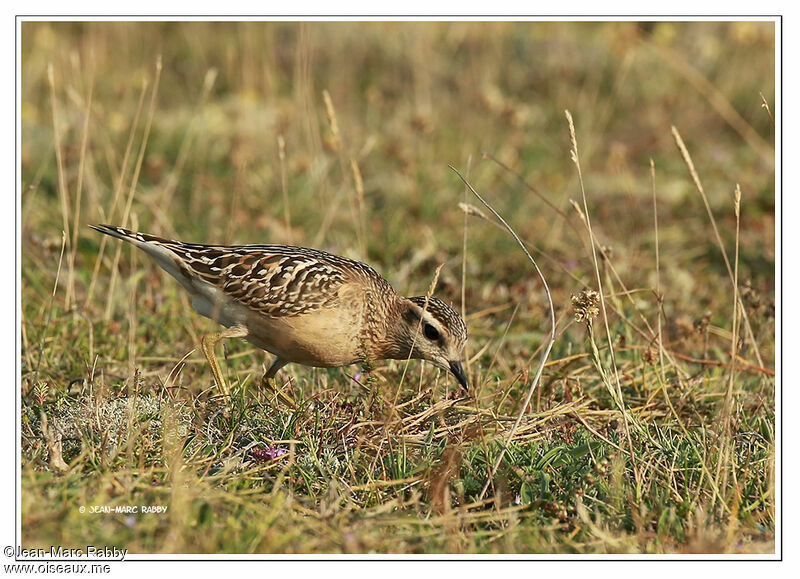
x=267 y=454
x=357 y=377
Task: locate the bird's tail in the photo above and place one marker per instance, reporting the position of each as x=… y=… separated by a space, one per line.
x=156 y=247
x=134 y=237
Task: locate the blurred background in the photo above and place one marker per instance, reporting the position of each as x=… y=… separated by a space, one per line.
x=338 y=135
x=409 y=99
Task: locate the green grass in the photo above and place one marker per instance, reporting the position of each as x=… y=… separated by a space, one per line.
x=118 y=410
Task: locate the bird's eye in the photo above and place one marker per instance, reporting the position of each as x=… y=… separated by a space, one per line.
x=430 y=332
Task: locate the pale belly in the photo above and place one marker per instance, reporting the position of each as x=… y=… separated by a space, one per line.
x=317 y=339
x=325 y=338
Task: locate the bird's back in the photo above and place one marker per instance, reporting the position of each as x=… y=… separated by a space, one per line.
x=271 y=279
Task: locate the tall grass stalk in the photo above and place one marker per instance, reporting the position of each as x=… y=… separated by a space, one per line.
x=617 y=308
x=79 y=186
x=63 y=191
x=109 y=216
x=361 y=208
x=356 y=200
x=726 y=441
x=700 y=457
x=546 y=352
x=687 y=158
x=765 y=105
x=659 y=297
x=49 y=311
x=132 y=188
x=622 y=408
x=464 y=266
x=287 y=216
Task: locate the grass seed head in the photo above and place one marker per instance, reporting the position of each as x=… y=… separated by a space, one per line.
x=470 y=209
x=585 y=305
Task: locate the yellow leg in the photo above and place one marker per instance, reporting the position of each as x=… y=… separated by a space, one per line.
x=207 y=344
x=268 y=382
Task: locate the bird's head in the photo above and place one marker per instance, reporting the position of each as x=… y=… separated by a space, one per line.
x=434 y=332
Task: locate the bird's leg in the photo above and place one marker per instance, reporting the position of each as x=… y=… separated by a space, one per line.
x=268 y=382
x=207 y=344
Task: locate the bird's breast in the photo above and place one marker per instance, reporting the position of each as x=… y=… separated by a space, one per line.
x=327 y=338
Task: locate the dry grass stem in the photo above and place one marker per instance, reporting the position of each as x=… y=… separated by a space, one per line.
x=593 y=244
x=109 y=216
x=464 y=258
x=334 y=144
x=285 y=188
x=361 y=208
x=49 y=312
x=728 y=406
x=659 y=296
x=687 y=158
x=79 y=188
x=132 y=189
x=547 y=349
x=330 y=112
x=63 y=192
x=393 y=406
x=765 y=105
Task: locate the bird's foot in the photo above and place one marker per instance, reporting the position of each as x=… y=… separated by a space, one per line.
x=286 y=399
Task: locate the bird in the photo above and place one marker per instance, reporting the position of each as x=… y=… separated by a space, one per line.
x=304 y=306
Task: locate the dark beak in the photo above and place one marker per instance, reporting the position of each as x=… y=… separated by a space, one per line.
x=458 y=371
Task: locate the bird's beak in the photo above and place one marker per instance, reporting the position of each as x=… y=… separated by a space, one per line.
x=458 y=371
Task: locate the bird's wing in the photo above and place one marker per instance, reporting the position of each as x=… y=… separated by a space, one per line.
x=274 y=280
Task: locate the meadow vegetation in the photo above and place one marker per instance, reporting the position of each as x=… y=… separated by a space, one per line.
x=652 y=429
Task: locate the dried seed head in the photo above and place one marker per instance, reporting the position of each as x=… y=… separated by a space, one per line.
x=578 y=210
x=281 y=148
x=574 y=151
x=700 y=326
x=209 y=80
x=750 y=297
x=470 y=209
x=333 y=143
x=585 y=305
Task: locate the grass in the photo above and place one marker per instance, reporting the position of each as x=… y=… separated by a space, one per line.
x=652 y=429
